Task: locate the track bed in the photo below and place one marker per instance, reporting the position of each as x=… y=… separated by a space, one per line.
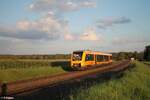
x=28 y=86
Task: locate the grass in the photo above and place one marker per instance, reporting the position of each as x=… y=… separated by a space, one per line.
x=15 y=74
x=14 y=70
x=134 y=85
x=146 y=62
x=7 y=64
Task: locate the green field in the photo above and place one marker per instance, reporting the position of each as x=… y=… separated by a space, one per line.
x=134 y=85
x=146 y=62
x=7 y=64
x=10 y=75
x=14 y=70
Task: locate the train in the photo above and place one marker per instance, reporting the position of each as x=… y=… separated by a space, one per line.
x=147 y=53
x=83 y=59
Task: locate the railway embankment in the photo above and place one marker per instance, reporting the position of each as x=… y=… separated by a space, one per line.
x=17 y=87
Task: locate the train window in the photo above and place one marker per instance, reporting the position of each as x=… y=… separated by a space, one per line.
x=77 y=56
x=99 y=58
x=89 y=57
x=110 y=57
x=106 y=58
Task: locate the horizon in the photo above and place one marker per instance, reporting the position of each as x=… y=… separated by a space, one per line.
x=68 y=53
x=30 y=27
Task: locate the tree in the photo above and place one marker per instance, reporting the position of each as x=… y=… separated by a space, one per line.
x=121 y=56
x=135 y=54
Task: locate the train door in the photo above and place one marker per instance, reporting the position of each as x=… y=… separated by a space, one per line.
x=95 y=59
x=89 y=59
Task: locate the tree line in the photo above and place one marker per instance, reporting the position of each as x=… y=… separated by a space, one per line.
x=55 y=56
x=116 y=56
x=128 y=55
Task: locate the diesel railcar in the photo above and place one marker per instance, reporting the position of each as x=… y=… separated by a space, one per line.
x=86 y=58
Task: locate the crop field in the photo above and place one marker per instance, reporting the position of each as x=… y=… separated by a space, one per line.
x=7 y=64
x=133 y=85
x=14 y=70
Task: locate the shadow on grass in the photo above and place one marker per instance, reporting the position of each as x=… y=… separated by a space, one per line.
x=65 y=90
x=65 y=65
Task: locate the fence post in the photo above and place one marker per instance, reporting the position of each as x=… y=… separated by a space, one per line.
x=4 y=89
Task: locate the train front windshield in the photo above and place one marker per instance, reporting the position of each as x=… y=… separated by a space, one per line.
x=77 y=56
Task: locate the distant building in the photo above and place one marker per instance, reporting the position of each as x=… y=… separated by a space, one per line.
x=147 y=53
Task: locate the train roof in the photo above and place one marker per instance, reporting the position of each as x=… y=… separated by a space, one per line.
x=93 y=52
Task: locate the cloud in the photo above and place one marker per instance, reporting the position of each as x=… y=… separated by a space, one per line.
x=89 y=35
x=61 y=5
x=69 y=37
x=47 y=28
x=109 y=22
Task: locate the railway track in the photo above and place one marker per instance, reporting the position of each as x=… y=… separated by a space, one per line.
x=19 y=87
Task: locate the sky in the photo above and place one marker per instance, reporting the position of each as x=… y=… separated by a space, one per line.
x=63 y=26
